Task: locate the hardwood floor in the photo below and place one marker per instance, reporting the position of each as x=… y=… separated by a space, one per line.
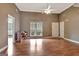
x=45 y=47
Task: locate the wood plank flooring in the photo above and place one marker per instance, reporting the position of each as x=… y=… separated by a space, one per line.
x=45 y=47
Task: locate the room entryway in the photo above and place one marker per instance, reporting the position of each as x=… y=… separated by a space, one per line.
x=58 y=29
x=11 y=33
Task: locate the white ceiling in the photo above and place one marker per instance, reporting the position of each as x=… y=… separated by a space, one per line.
x=39 y=7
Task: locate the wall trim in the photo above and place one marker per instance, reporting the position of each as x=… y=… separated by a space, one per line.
x=2 y=49
x=71 y=40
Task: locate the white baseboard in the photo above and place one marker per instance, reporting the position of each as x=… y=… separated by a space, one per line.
x=72 y=40
x=2 y=49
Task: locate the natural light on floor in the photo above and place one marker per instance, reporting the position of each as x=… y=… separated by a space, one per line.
x=10 y=46
x=35 y=45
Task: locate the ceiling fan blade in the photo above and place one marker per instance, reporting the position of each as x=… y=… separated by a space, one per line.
x=49 y=7
x=48 y=10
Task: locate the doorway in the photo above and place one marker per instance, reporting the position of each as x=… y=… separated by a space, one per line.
x=62 y=29
x=55 y=30
x=58 y=29
x=11 y=33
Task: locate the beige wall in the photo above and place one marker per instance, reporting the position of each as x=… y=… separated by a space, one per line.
x=6 y=9
x=71 y=19
x=27 y=17
x=69 y=16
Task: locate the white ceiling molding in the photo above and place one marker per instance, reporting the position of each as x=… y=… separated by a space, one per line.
x=76 y=5
x=39 y=7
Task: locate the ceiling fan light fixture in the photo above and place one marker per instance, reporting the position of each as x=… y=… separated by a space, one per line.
x=47 y=11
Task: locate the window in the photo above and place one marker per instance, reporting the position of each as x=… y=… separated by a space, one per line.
x=36 y=28
x=10 y=25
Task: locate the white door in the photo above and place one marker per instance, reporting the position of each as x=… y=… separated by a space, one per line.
x=62 y=29
x=55 y=30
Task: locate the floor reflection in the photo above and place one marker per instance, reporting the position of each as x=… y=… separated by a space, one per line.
x=32 y=45
x=35 y=45
x=10 y=46
x=39 y=44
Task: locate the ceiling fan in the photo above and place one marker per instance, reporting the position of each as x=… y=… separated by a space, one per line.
x=48 y=10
